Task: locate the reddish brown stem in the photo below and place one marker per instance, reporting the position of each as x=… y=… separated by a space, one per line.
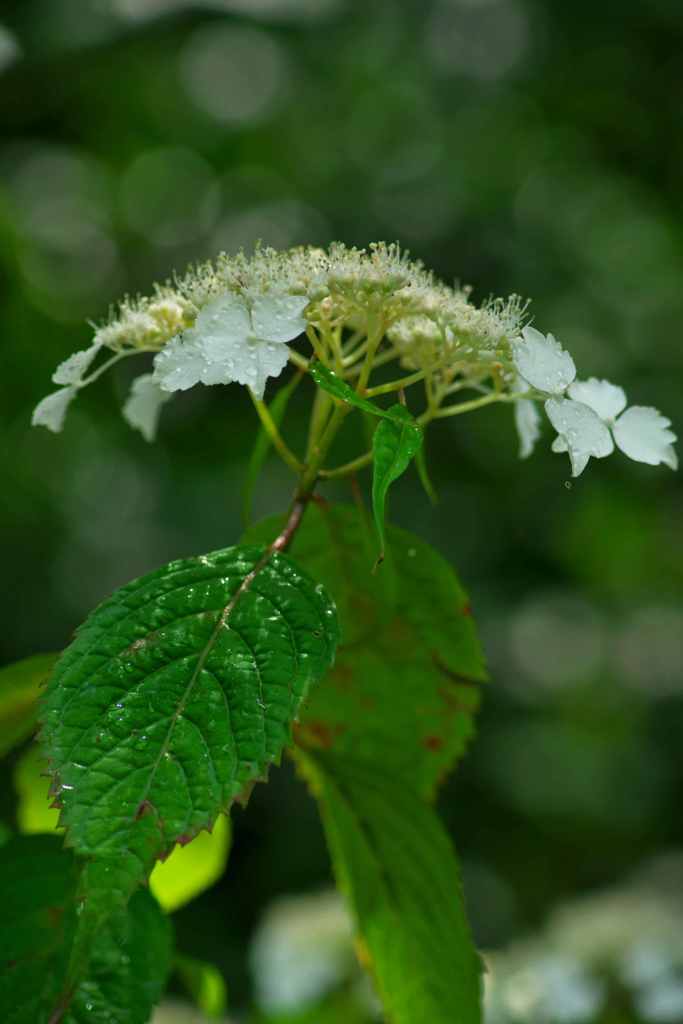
x=285 y=537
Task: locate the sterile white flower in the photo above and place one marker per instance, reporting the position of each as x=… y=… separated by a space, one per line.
x=606 y=399
x=50 y=412
x=143 y=405
x=232 y=341
x=180 y=364
x=587 y=421
x=542 y=362
x=643 y=434
x=528 y=423
x=580 y=430
x=73 y=368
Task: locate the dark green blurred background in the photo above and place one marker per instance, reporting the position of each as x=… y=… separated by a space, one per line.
x=520 y=145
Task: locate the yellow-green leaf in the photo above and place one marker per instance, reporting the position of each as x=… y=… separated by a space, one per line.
x=192 y=868
x=20 y=687
x=186 y=872
x=397 y=869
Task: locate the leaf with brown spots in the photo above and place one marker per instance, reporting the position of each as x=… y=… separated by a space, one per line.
x=405 y=686
x=129 y=959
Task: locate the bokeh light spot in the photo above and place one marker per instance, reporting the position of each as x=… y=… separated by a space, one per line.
x=170 y=196
x=478 y=40
x=234 y=74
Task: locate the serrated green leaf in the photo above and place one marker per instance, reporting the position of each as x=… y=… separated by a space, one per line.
x=187 y=871
x=130 y=957
x=423 y=473
x=405 y=686
x=34 y=813
x=175 y=697
x=262 y=445
x=129 y=965
x=20 y=687
x=191 y=869
x=396 y=867
x=338 y=388
x=394 y=444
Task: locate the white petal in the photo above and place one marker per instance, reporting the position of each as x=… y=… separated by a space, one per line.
x=73 y=368
x=606 y=399
x=51 y=411
x=527 y=421
x=642 y=433
x=143 y=405
x=559 y=444
x=581 y=429
x=542 y=362
x=232 y=350
x=223 y=320
x=278 y=317
x=218 y=371
x=579 y=461
x=250 y=364
x=223 y=329
x=180 y=363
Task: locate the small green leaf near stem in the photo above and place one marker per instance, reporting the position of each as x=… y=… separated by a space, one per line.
x=395 y=443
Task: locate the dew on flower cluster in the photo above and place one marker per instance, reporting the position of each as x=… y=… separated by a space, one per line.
x=233 y=320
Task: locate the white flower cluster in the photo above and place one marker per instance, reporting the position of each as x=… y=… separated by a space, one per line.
x=592 y=418
x=625 y=940
x=141 y=326
x=232 y=320
x=449 y=336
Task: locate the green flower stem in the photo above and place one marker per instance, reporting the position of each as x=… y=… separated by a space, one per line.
x=395 y=385
x=354 y=347
x=298 y=359
x=434 y=412
x=334 y=339
x=316 y=344
x=356 y=355
x=380 y=360
x=465 y=385
x=375 y=335
x=274 y=434
x=319 y=449
x=112 y=362
x=462 y=407
x=348 y=468
x=322 y=406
